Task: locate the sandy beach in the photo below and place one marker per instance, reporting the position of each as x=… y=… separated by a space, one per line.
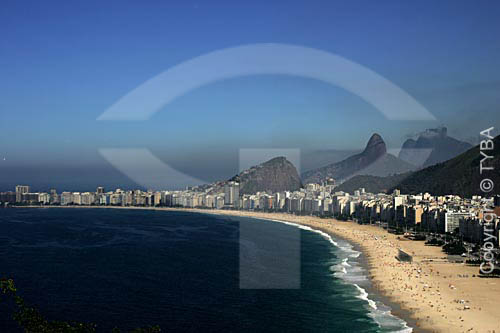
x=438 y=296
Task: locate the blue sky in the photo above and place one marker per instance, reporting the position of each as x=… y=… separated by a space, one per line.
x=64 y=63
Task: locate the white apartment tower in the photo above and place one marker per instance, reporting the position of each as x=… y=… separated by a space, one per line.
x=232 y=194
x=20 y=190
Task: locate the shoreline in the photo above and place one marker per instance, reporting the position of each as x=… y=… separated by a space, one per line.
x=376 y=294
x=372 y=294
x=430 y=294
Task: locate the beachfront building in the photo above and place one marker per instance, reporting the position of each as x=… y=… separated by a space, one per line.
x=421 y=212
x=88 y=198
x=452 y=220
x=76 y=198
x=471 y=229
x=66 y=198
x=54 y=197
x=232 y=194
x=44 y=198
x=414 y=215
x=8 y=197
x=20 y=190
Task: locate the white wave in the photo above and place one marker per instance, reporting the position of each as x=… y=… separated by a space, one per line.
x=353 y=275
x=382 y=315
x=354 y=278
x=364 y=296
x=303 y=227
x=356 y=269
x=355 y=255
x=345 y=263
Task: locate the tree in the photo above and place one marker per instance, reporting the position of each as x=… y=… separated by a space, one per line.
x=32 y=321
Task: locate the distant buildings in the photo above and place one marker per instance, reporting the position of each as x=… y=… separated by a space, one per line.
x=397 y=212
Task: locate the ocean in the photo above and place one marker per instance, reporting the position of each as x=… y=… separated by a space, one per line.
x=131 y=268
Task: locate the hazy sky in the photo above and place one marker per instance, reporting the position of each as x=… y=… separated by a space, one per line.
x=63 y=63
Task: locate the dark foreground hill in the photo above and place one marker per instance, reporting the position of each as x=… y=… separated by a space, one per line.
x=372 y=184
x=460 y=175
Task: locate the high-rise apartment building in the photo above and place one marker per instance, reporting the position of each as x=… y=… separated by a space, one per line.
x=20 y=190
x=66 y=198
x=452 y=220
x=232 y=194
x=54 y=198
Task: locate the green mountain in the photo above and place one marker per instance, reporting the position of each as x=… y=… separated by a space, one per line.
x=460 y=175
x=372 y=184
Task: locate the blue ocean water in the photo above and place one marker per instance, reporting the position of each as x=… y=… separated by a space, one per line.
x=179 y=270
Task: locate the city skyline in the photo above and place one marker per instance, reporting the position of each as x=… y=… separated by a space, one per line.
x=420 y=213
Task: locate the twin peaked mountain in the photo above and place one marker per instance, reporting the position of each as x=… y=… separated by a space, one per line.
x=373 y=160
x=279 y=174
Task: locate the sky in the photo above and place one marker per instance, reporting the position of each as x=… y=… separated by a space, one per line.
x=63 y=63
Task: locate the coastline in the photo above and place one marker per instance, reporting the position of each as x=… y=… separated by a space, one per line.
x=426 y=293
x=365 y=288
x=376 y=294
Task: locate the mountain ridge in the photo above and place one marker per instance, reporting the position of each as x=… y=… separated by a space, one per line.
x=373 y=159
x=459 y=175
x=431 y=147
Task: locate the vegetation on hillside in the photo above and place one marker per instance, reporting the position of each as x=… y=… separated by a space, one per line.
x=372 y=184
x=32 y=321
x=460 y=176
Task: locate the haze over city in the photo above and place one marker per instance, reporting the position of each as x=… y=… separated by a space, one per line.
x=55 y=85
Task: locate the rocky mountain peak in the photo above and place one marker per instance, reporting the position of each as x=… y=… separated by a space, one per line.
x=375 y=146
x=275 y=175
x=277 y=160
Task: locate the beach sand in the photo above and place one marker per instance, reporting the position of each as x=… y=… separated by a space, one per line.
x=430 y=290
